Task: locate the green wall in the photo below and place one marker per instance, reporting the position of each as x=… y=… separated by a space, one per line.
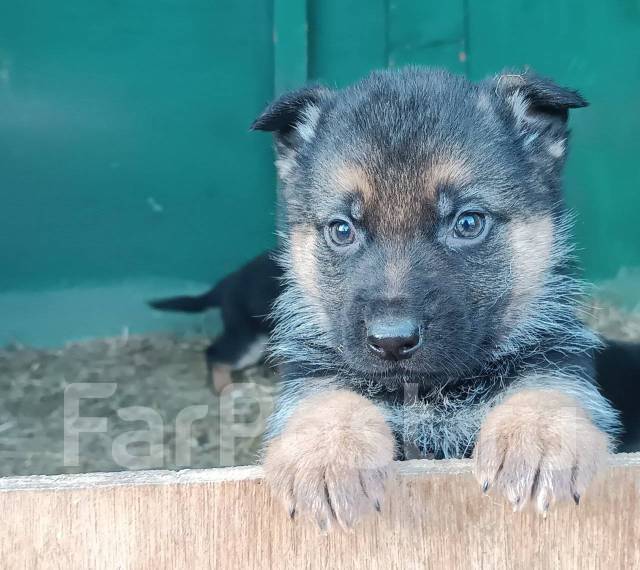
x=124 y=139
x=126 y=165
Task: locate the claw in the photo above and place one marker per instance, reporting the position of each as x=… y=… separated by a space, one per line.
x=576 y=498
x=377 y=506
x=517 y=504
x=545 y=509
x=485 y=486
x=329 y=503
x=323 y=524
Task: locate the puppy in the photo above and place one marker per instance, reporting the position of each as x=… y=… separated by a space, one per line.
x=430 y=306
x=618 y=373
x=245 y=298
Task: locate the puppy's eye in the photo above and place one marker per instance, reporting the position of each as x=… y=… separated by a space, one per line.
x=341 y=233
x=469 y=225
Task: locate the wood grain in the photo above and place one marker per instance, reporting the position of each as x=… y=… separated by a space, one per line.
x=435 y=517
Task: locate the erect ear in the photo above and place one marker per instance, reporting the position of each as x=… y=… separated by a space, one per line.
x=296 y=112
x=540 y=110
x=293 y=118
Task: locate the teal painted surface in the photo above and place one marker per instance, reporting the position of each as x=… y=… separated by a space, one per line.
x=425 y=34
x=53 y=317
x=127 y=167
x=290 y=39
x=124 y=142
x=347 y=39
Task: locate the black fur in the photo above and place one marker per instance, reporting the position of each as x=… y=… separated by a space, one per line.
x=618 y=373
x=245 y=298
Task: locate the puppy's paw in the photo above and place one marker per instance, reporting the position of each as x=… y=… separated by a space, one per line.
x=332 y=460
x=220 y=377
x=539 y=446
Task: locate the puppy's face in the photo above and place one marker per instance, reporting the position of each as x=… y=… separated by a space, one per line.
x=421 y=213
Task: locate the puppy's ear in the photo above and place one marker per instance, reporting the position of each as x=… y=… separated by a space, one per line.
x=539 y=109
x=293 y=118
x=294 y=113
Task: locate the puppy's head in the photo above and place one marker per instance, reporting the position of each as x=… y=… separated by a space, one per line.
x=421 y=214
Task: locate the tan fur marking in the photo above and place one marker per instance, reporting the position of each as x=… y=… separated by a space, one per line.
x=303 y=263
x=332 y=460
x=445 y=171
x=539 y=446
x=531 y=246
x=303 y=259
x=351 y=178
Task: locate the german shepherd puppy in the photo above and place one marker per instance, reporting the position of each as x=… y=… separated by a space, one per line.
x=245 y=298
x=430 y=305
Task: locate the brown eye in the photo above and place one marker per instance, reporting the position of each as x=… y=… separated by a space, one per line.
x=341 y=233
x=469 y=225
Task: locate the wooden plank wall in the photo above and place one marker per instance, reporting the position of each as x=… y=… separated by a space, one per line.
x=435 y=517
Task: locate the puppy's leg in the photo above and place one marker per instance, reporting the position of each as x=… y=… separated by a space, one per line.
x=539 y=445
x=220 y=376
x=220 y=356
x=332 y=458
x=253 y=352
x=234 y=350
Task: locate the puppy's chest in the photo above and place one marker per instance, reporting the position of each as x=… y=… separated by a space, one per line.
x=437 y=423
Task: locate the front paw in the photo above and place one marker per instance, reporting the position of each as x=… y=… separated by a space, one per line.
x=539 y=446
x=332 y=460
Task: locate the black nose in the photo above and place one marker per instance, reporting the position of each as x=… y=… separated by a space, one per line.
x=395 y=339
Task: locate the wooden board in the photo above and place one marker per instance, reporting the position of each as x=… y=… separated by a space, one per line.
x=225 y=519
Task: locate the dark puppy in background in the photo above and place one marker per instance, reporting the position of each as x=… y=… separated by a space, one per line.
x=430 y=306
x=245 y=298
x=618 y=373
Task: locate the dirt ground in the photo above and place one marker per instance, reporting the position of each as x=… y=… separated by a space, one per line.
x=164 y=375
x=145 y=404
